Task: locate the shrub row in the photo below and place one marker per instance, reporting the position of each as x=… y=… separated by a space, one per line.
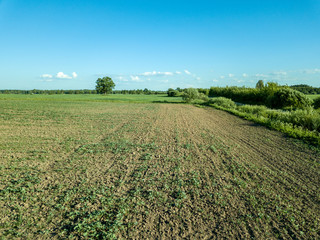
x=271 y=95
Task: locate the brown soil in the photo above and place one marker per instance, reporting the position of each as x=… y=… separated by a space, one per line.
x=275 y=172
x=185 y=172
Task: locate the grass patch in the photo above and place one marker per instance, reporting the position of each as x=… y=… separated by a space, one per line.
x=313 y=96
x=134 y=98
x=300 y=124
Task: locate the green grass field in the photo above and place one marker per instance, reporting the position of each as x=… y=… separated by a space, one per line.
x=123 y=166
x=313 y=96
x=92 y=98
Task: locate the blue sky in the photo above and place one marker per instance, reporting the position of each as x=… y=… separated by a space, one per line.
x=158 y=44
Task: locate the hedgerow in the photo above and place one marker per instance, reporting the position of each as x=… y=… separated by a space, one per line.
x=271 y=95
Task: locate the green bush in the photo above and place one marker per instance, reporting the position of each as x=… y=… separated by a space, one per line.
x=246 y=95
x=316 y=103
x=253 y=109
x=223 y=102
x=289 y=98
x=205 y=91
x=173 y=93
x=190 y=94
x=203 y=97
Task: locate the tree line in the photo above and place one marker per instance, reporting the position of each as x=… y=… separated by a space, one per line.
x=306 y=89
x=270 y=94
x=50 y=92
x=82 y=91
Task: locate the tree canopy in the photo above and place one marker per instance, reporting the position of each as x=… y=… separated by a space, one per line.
x=104 y=85
x=260 y=84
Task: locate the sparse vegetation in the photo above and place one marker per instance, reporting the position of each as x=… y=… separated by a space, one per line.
x=120 y=166
x=301 y=123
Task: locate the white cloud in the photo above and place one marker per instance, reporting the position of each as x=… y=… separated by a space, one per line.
x=231 y=75
x=311 y=71
x=135 y=79
x=281 y=73
x=261 y=75
x=167 y=73
x=149 y=73
x=74 y=75
x=215 y=80
x=155 y=73
x=46 y=76
x=62 y=75
x=59 y=75
x=222 y=77
x=121 y=79
x=177 y=72
x=244 y=75
x=187 y=72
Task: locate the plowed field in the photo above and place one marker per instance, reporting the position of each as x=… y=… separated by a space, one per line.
x=94 y=170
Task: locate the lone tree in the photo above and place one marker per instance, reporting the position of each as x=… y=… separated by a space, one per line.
x=104 y=85
x=260 y=84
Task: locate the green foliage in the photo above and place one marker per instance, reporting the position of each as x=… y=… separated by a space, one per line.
x=301 y=123
x=254 y=109
x=260 y=84
x=82 y=91
x=193 y=95
x=270 y=94
x=289 y=98
x=223 y=102
x=203 y=97
x=50 y=92
x=147 y=91
x=243 y=95
x=173 y=93
x=104 y=85
x=306 y=89
x=139 y=91
x=205 y=91
x=190 y=94
x=316 y=103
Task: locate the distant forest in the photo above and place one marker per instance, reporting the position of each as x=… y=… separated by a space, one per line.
x=83 y=91
x=306 y=89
